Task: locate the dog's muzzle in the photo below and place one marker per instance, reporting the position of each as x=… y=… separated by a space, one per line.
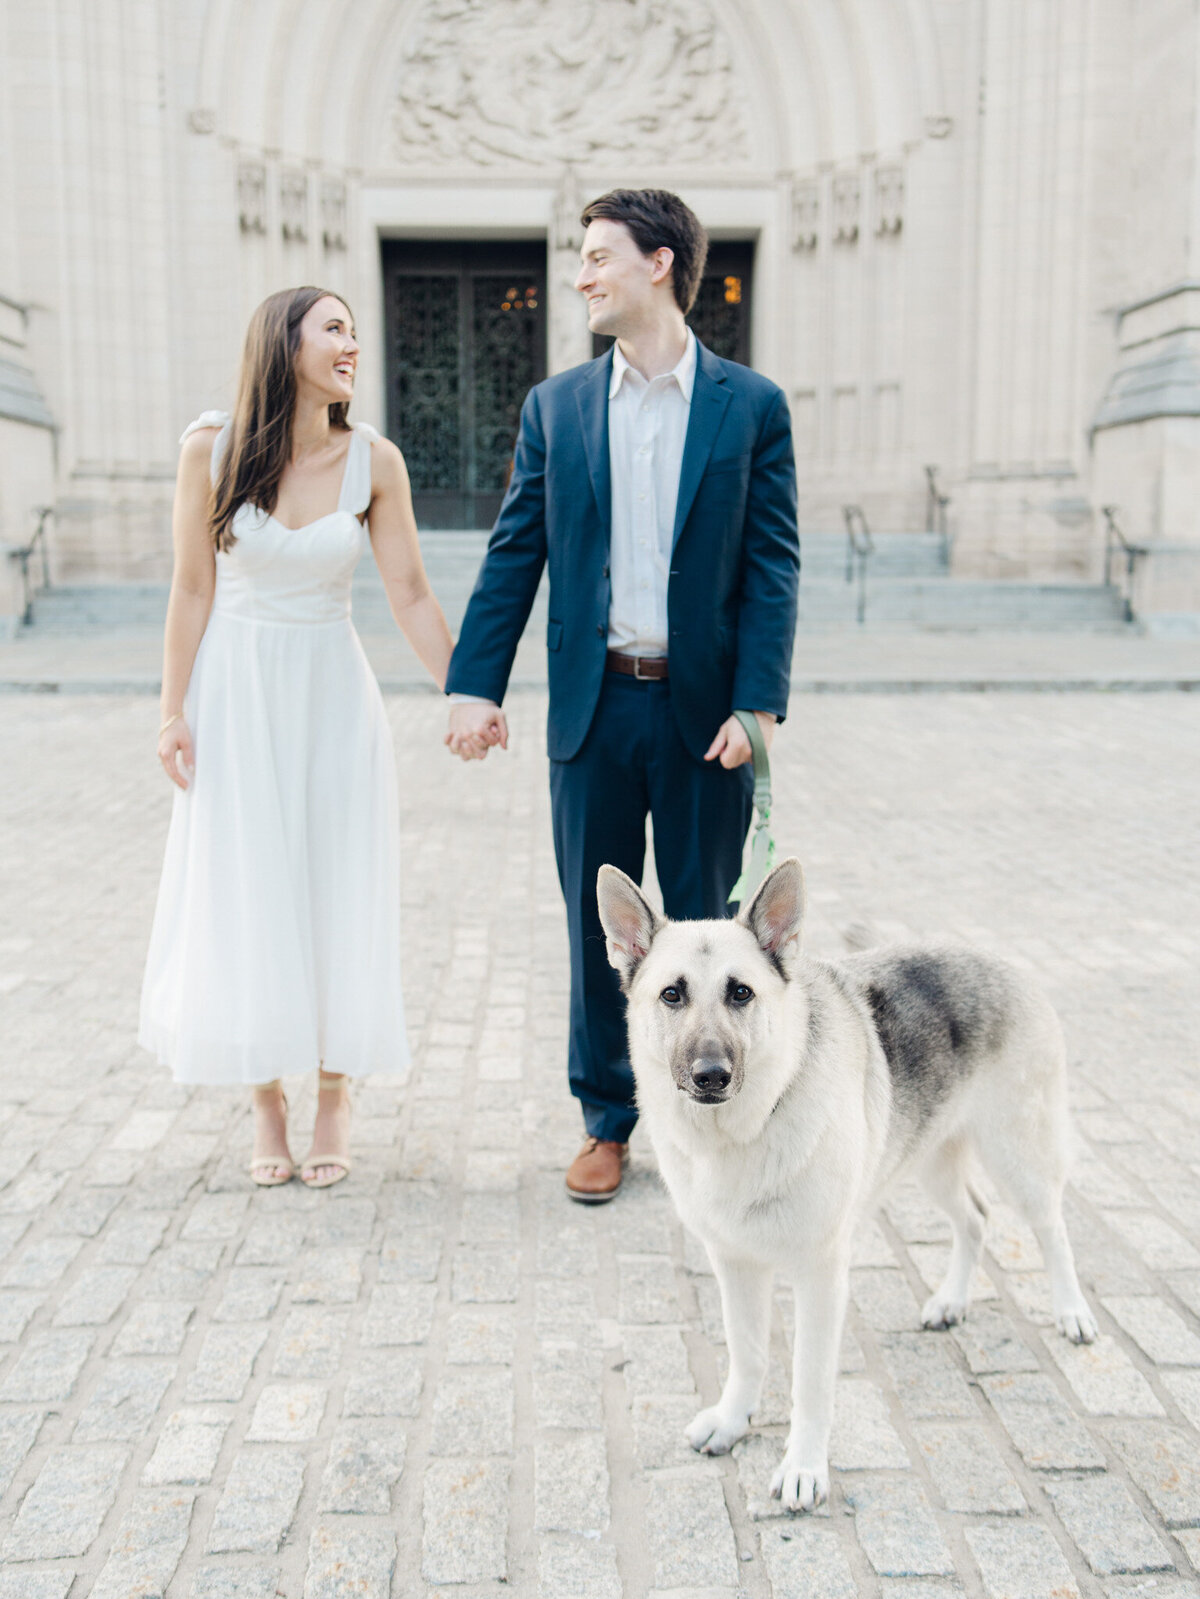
x=708 y=1081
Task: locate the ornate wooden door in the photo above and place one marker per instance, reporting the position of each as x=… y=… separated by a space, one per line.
x=466 y=341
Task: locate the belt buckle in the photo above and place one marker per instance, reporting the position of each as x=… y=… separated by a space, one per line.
x=637 y=670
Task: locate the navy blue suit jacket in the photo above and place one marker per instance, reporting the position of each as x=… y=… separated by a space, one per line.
x=735 y=563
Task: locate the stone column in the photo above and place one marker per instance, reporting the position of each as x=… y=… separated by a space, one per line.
x=568 y=340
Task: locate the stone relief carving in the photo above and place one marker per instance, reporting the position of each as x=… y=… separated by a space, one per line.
x=889 y=200
x=939 y=127
x=806 y=215
x=538 y=82
x=845 y=208
x=252 y=197
x=293 y=203
x=202 y=120
x=333 y=214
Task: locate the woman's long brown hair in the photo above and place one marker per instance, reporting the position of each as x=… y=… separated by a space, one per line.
x=260 y=441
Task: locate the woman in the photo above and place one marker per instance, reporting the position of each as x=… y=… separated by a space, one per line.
x=276 y=940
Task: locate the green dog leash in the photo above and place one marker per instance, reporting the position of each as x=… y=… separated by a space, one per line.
x=761 y=855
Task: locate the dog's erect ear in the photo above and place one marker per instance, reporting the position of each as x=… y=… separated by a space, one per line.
x=629 y=923
x=775 y=914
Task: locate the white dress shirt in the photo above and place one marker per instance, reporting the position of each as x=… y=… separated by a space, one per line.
x=647 y=426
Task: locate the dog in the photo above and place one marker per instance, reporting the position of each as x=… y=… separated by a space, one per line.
x=782 y=1095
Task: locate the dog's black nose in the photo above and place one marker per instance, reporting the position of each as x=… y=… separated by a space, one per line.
x=711 y=1076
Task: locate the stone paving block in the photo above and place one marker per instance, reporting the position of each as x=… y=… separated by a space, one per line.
x=567 y=1385
x=1018 y=1561
x=274 y=1238
x=143 y=1130
x=384 y=1383
x=691 y=1542
x=806 y=1562
x=1108 y=1527
x=1154 y=1241
x=95 y=1296
x=565 y=1249
x=1157 y=1329
x=216 y=1216
x=14 y=1228
x=122 y=1406
x=896 y=1528
x=484 y=1335
x=473 y=1412
x=1103 y=1377
x=132 y=1237
x=411 y=1254
x=926 y=1379
x=42 y=1265
x=884 y=1300
x=992 y=1342
x=646 y=1292
x=406 y=1204
x=17 y=1310
x=493 y=1219
x=658 y=1430
x=1165 y=1587
x=310 y=1344
x=33 y=1193
x=154 y=1328
x=399 y=1313
x=429 y=1156
x=256 y=1509
x=1165 y=1463
x=36 y=1584
x=863 y=1438
x=1184 y=1388
x=1047 y=1436
x=465 y=1521
x=656 y=1361
x=364 y=1465
x=148 y=1546
x=18 y=1434
x=85 y=1214
x=350 y=1563
x=931 y=1261
x=915 y=1216
x=47 y=1366
x=225 y=1362
x=236 y=1582
x=969 y=1475
x=485 y=1276
x=251 y=1294
x=187 y=1448
x=491 y=1172
x=576 y=1568
x=571 y=1484
x=181 y=1271
x=287 y=1413
x=62 y=1512
x=342 y=1222
x=565 y=1310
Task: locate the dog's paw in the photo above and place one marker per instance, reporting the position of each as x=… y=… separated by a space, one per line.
x=940 y=1312
x=713 y=1433
x=1078 y=1324
x=800 y=1487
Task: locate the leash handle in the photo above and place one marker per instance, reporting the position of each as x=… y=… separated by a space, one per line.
x=762 y=845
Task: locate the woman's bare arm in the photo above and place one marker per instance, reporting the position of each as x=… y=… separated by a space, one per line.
x=398 y=557
x=192 y=582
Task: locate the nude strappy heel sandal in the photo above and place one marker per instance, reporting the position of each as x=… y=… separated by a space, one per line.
x=264 y=1169
x=327 y=1083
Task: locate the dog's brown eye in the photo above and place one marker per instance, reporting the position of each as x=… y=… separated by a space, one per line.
x=670 y=996
x=741 y=994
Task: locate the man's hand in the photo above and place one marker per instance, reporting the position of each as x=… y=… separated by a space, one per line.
x=731 y=746
x=475 y=725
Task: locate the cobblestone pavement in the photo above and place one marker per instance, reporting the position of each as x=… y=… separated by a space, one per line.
x=442 y=1372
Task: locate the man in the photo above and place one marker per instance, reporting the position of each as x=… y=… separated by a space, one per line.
x=658 y=483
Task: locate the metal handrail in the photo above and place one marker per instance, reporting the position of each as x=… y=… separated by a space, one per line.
x=24 y=553
x=1114 y=540
x=860 y=546
x=936 y=505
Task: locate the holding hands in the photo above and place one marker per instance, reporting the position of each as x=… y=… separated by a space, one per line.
x=475 y=726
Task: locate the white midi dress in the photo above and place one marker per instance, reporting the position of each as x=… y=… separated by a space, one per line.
x=276 y=939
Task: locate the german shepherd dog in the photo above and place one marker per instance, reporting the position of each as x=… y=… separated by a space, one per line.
x=782 y=1094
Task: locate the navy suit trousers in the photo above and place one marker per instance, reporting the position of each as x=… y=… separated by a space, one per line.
x=634 y=763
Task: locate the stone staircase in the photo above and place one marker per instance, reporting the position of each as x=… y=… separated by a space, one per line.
x=908 y=587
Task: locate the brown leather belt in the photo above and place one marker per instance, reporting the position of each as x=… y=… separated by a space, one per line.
x=646 y=668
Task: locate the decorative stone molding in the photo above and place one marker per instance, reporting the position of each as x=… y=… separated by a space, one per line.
x=333 y=214
x=806 y=215
x=540 y=82
x=567 y=229
x=939 y=127
x=889 y=200
x=846 y=198
x=293 y=204
x=252 y=197
x=202 y=120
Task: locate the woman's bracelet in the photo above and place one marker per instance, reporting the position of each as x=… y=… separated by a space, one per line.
x=176 y=718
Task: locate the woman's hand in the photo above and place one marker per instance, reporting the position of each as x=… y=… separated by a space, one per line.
x=176 y=753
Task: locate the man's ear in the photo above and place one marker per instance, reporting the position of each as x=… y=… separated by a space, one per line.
x=776 y=913
x=629 y=923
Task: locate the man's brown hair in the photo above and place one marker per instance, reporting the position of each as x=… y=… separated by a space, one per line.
x=658 y=220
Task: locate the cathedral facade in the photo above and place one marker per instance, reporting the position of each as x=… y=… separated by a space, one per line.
x=961 y=234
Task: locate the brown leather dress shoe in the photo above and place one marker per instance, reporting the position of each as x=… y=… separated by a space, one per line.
x=595 y=1174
